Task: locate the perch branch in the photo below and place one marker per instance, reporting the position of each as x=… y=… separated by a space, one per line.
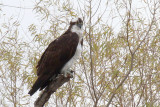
x=50 y=89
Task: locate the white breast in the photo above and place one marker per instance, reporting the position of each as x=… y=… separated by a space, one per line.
x=77 y=53
x=73 y=59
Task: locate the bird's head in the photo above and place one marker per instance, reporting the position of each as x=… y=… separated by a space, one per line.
x=76 y=22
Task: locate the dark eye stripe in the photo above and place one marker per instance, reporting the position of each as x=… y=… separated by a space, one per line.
x=79 y=21
x=73 y=23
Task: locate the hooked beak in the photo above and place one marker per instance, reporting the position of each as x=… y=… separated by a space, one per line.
x=80 y=25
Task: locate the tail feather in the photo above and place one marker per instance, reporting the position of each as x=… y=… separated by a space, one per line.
x=35 y=87
x=48 y=82
x=38 y=84
x=41 y=83
x=32 y=91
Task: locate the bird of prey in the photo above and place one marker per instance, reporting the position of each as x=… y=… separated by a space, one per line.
x=59 y=56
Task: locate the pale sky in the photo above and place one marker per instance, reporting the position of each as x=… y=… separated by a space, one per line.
x=22 y=11
x=19 y=10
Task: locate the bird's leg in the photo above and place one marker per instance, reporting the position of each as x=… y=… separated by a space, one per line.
x=71 y=71
x=68 y=73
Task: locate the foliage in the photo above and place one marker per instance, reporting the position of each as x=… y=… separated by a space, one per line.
x=119 y=65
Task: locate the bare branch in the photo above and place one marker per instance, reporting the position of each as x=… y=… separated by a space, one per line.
x=53 y=86
x=132 y=58
x=128 y=28
x=149 y=29
x=120 y=84
x=132 y=53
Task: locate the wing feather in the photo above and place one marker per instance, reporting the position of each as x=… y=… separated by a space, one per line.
x=58 y=53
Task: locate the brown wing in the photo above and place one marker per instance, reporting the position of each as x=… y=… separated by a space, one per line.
x=58 y=53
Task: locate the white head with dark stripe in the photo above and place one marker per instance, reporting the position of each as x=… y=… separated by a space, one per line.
x=77 y=21
x=76 y=25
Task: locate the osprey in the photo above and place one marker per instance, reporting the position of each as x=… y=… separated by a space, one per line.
x=59 y=56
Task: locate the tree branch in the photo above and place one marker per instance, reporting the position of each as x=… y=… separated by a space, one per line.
x=121 y=83
x=50 y=89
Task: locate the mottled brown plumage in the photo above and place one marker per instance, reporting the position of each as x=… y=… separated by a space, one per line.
x=57 y=54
